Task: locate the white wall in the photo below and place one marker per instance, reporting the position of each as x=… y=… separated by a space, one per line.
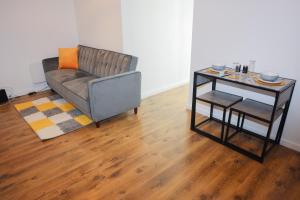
x=159 y=33
x=264 y=30
x=30 y=31
x=99 y=23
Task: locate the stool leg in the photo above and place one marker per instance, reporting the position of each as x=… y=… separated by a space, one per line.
x=243 y=120
x=223 y=124
x=211 y=111
x=228 y=125
x=266 y=141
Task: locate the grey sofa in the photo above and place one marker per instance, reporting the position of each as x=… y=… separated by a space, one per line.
x=105 y=84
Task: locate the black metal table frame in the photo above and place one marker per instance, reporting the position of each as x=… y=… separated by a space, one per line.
x=267 y=139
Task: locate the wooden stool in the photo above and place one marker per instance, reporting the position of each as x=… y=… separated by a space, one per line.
x=256 y=110
x=220 y=99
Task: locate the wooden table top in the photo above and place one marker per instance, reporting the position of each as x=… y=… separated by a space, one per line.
x=250 y=79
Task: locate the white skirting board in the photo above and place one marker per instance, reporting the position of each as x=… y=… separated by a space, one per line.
x=38 y=87
x=163 y=89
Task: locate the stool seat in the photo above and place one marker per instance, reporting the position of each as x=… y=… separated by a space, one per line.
x=256 y=109
x=219 y=98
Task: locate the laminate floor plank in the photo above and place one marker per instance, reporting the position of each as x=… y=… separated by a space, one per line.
x=151 y=155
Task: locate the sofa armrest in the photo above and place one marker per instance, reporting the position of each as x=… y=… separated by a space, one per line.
x=113 y=95
x=50 y=64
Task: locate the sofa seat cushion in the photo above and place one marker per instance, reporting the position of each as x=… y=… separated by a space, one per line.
x=79 y=86
x=63 y=75
x=55 y=80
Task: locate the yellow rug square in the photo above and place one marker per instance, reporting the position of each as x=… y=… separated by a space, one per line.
x=83 y=120
x=40 y=124
x=66 y=107
x=46 y=106
x=22 y=106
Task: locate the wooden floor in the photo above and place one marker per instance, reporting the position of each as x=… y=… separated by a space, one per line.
x=152 y=155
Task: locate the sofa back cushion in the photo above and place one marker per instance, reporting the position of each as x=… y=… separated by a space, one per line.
x=103 y=63
x=87 y=58
x=110 y=63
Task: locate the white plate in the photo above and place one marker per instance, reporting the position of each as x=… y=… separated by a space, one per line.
x=217 y=67
x=270 y=82
x=211 y=69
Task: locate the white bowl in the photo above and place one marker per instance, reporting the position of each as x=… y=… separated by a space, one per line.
x=218 y=67
x=269 y=76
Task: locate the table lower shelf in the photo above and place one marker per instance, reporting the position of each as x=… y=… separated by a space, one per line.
x=211 y=128
x=243 y=141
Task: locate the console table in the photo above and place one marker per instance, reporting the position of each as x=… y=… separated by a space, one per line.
x=283 y=94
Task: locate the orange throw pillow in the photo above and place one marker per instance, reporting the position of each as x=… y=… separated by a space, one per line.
x=68 y=58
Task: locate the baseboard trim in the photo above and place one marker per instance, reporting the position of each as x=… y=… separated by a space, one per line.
x=13 y=93
x=289 y=144
x=163 y=89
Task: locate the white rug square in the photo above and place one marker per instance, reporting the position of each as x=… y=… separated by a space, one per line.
x=59 y=102
x=40 y=101
x=35 y=117
x=62 y=117
x=49 y=132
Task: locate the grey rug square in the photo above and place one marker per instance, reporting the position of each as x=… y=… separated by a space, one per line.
x=29 y=111
x=52 y=112
x=75 y=113
x=69 y=125
x=54 y=97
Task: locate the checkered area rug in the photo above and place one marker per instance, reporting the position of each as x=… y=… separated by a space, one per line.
x=52 y=116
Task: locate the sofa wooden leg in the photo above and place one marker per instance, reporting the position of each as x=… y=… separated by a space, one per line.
x=97 y=124
x=135 y=110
